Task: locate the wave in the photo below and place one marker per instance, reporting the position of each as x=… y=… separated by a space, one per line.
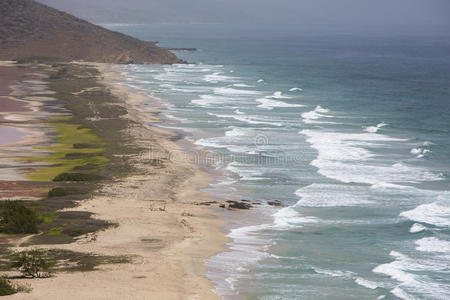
x=235 y=140
x=366 y=283
x=433 y=213
x=412 y=277
x=336 y=195
x=210 y=100
x=288 y=217
x=337 y=273
x=242 y=85
x=374 y=129
x=311 y=117
x=432 y=244
x=230 y=91
x=248 y=248
x=271 y=104
x=416 y=228
x=420 y=152
x=217 y=77
x=245 y=171
x=219 y=143
x=248 y=119
x=343 y=156
x=296 y=89
x=278 y=95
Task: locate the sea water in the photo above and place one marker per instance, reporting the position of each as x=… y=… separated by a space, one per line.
x=349 y=132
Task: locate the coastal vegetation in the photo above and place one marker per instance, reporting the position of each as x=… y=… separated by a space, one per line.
x=6 y=287
x=16 y=218
x=65 y=156
x=32 y=263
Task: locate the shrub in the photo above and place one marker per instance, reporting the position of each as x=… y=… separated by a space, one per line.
x=77 y=177
x=17 y=218
x=32 y=263
x=61 y=192
x=6 y=287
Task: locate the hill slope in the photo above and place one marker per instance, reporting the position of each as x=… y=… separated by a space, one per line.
x=28 y=28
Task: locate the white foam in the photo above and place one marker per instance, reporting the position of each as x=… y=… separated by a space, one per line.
x=409 y=273
x=366 y=283
x=333 y=273
x=416 y=227
x=374 y=129
x=278 y=95
x=296 y=89
x=260 y=80
x=288 y=217
x=218 y=143
x=432 y=244
x=217 y=77
x=336 y=195
x=247 y=249
x=248 y=119
x=271 y=104
x=420 y=152
x=237 y=131
x=234 y=92
x=432 y=213
x=242 y=85
x=245 y=171
x=344 y=157
x=311 y=117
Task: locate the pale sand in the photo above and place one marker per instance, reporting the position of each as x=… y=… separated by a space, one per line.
x=169 y=247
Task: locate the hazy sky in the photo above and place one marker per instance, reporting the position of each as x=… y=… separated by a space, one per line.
x=380 y=14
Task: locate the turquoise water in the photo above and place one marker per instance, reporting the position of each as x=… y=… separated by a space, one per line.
x=350 y=133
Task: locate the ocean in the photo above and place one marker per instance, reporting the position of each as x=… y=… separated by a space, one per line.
x=349 y=132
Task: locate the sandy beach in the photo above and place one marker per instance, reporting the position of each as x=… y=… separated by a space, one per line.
x=161 y=224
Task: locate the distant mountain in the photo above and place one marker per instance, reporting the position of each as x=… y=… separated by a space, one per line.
x=28 y=28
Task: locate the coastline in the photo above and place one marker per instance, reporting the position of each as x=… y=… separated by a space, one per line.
x=159 y=222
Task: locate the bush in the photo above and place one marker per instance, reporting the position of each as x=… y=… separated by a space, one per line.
x=16 y=218
x=61 y=192
x=77 y=177
x=32 y=263
x=6 y=287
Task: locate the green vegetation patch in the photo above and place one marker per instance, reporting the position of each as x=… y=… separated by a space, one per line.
x=16 y=218
x=66 y=151
x=64 y=191
x=56 y=230
x=78 y=177
x=6 y=287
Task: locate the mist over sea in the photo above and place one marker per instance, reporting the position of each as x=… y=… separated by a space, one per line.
x=350 y=133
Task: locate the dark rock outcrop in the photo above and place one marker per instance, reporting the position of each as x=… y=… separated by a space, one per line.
x=238 y=205
x=31 y=29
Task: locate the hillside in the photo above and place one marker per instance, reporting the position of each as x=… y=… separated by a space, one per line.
x=28 y=28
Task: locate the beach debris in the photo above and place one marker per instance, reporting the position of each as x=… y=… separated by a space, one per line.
x=208 y=203
x=157 y=205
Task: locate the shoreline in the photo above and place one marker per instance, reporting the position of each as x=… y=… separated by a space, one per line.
x=161 y=224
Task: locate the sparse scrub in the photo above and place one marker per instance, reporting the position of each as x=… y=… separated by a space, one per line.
x=32 y=263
